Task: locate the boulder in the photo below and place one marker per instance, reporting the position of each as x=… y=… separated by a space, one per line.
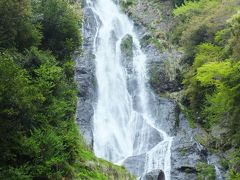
x=135 y=164
x=154 y=175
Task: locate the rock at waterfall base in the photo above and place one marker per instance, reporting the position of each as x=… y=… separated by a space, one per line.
x=154 y=175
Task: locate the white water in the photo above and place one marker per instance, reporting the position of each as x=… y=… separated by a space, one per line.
x=218 y=173
x=120 y=130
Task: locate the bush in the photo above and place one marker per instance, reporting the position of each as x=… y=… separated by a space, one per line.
x=126 y=3
x=60 y=25
x=16 y=27
x=197 y=22
x=205 y=171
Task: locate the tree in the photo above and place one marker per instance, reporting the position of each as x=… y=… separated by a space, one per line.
x=16 y=27
x=61 y=28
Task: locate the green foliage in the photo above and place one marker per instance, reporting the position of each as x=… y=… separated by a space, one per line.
x=39 y=138
x=196 y=94
x=28 y=104
x=205 y=172
x=209 y=33
x=234 y=41
x=235 y=165
x=224 y=163
x=178 y=2
x=212 y=81
x=154 y=77
x=61 y=24
x=206 y=52
x=190 y=8
x=181 y=2
x=198 y=22
x=213 y=73
x=45 y=151
x=126 y=3
x=189 y=115
x=16 y=27
x=17 y=92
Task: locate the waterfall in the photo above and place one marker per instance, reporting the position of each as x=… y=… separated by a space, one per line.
x=123 y=122
x=218 y=173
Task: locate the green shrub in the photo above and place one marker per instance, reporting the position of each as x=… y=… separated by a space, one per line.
x=16 y=27
x=60 y=27
x=205 y=171
x=126 y=3
x=39 y=138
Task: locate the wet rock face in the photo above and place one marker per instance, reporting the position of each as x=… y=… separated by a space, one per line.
x=135 y=164
x=186 y=152
x=161 y=82
x=153 y=137
x=154 y=175
x=163 y=65
x=165 y=112
x=85 y=77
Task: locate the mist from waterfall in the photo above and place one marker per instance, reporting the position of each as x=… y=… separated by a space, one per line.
x=123 y=122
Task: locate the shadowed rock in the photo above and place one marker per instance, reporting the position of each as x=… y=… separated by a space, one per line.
x=154 y=175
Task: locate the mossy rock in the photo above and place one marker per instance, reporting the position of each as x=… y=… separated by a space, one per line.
x=127 y=46
x=146 y=40
x=125 y=4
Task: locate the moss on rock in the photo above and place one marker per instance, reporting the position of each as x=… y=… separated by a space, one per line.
x=205 y=171
x=126 y=3
x=127 y=46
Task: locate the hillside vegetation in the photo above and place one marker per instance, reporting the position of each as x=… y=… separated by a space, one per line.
x=209 y=33
x=39 y=138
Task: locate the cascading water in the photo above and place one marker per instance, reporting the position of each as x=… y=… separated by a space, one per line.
x=123 y=122
x=218 y=173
